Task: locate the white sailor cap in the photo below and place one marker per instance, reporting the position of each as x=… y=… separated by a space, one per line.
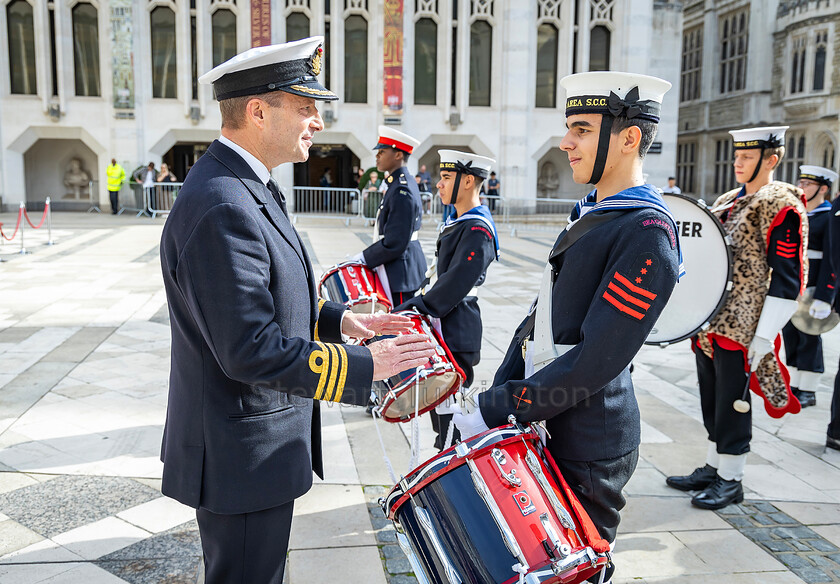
x=755 y=138
x=391 y=138
x=290 y=67
x=614 y=93
x=818 y=174
x=465 y=162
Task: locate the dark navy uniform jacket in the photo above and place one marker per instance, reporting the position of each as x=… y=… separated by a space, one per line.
x=464 y=251
x=820 y=271
x=610 y=287
x=242 y=432
x=832 y=247
x=400 y=215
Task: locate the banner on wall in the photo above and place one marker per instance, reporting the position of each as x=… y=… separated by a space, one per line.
x=260 y=23
x=122 y=55
x=393 y=58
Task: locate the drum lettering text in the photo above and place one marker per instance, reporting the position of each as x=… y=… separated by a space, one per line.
x=689 y=228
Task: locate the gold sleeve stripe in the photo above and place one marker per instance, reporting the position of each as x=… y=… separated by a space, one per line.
x=334 y=362
x=343 y=376
x=318 y=364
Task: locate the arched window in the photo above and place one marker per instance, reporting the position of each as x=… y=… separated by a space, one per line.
x=481 y=53
x=547 y=65
x=297 y=26
x=599 y=48
x=425 y=62
x=819 y=61
x=86 y=49
x=164 y=69
x=21 y=47
x=224 y=36
x=355 y=59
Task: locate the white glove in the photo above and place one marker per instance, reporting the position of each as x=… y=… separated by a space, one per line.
x=468 y=424
x=820 y=309
x=359 y=258
x=759 y=347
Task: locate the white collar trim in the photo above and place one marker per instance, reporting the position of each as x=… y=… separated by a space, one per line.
x=258 y=167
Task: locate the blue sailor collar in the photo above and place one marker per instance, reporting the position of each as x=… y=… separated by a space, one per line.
x=645 y=196
x=821 y=208
x=481 y=213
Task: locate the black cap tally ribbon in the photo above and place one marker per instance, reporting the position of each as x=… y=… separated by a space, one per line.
x=630 y=107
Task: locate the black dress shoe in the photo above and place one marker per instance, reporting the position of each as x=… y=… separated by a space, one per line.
x=700 y=479
x=719 y=494
x=833 y=443
x=806 y=398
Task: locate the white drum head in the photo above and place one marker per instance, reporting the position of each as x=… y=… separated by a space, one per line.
x=700 y=294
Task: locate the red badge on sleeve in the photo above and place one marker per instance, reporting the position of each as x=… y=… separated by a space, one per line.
x=627 y=296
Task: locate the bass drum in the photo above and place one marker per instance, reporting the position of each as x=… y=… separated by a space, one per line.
x=707 y=255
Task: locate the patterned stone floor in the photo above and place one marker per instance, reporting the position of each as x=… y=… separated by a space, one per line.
x=84 y=351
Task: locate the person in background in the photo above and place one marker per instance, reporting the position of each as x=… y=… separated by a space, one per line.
x=425 y=179
x=165 y=175
x=804 y=352
x=493 y=191
x=116 y=177
x=326 y=183
x=672 y=186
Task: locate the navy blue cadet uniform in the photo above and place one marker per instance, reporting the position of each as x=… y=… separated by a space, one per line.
x=833 y=253
x=251 y=348
x=464 y=251
x=609 y=288
x=802 y=350
x=400 y=216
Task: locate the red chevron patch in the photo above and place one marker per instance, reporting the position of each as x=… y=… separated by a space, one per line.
x=628 y=298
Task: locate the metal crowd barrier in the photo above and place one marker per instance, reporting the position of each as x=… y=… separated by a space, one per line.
x=499 y=209
x=160 y=197
x=327 y=203
x=539 y=214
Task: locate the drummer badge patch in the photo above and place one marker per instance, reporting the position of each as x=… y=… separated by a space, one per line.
x=628 y=293
x=523 y=500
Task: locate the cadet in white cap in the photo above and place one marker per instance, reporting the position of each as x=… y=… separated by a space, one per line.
x=252 y=348
x=396 y=254
x=466 y=246
x=767 y=225
x=803 y=351
x=607 y=279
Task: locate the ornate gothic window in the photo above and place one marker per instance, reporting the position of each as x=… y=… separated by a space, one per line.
x=355 y=57
x=797 y=70
x=224 y=35
x=297 y=26
x=794 y=158
x=21 y=36
x=724 y=171
x=733 y=51
x=819 y=60
x=686 y=165
x=164 y=58
x=692 y=64
x=481 y=53
x=547 y=40
x=425 y=61
x=599 y=48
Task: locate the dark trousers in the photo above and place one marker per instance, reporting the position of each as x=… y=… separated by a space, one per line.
x=802 y=350
x=598 y=485
x=441 y=422
x=722 y=381
x=249 y=548
x=115 y=201
x=834 y=424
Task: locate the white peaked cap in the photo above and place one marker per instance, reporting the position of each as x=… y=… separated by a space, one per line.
x=753 y=138
x=818 y=173
x=466 y=162
x=391 y=138
x=582 y=89
x=290 y=67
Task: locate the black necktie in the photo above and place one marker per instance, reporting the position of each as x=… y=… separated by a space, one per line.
x=278 y=196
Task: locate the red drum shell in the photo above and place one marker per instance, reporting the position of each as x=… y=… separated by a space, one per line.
x=468 y=531
x=357 y=286
x=440 y=378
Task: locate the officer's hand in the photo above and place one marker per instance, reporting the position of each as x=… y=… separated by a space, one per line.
x=468 y=424
x=396 y=354
x=759 y=347
x=412 y=304
x=367 y=326
x=820 y=309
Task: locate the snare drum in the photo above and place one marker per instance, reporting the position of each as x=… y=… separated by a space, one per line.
x=355 y=285
x=491 y=509
x=700 y=294
x=440 y=378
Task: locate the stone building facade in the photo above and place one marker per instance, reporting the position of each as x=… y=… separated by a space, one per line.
x=87 y=80
x=753 y=63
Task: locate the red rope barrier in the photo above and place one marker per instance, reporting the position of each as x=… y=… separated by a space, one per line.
x=20 y=214
x=43 y=217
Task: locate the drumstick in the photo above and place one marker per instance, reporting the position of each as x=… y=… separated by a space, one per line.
x=742 y=406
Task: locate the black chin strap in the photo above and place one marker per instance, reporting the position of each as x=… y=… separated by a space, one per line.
x=757 y=166
x=455 y=188
x=603 y=149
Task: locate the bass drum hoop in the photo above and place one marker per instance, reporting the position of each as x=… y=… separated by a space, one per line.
x=729 y=271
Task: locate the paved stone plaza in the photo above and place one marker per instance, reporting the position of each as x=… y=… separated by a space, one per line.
x=84 y=359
